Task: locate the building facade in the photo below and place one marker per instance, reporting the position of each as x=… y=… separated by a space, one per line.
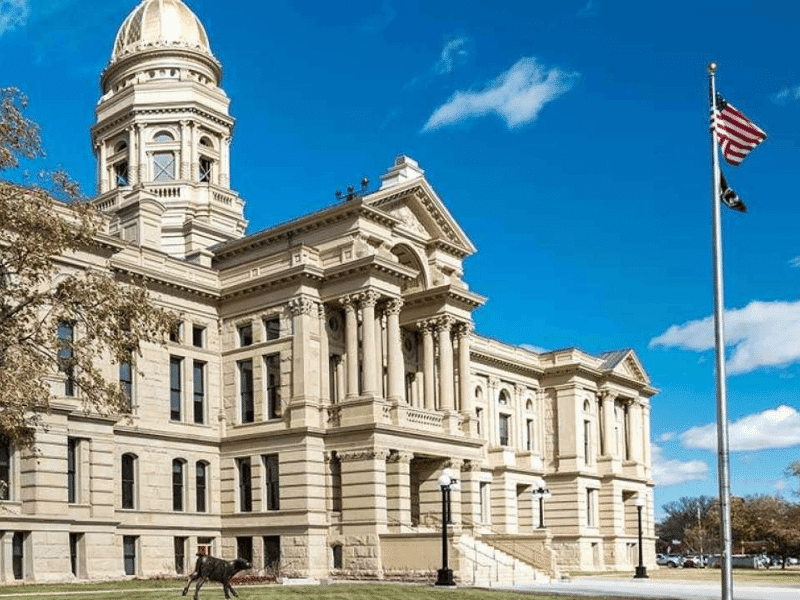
x=325 y=373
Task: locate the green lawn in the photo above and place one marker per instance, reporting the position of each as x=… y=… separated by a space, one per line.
x=158 y=590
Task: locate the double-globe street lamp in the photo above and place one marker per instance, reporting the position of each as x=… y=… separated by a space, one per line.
x=641 y=570
x=447 y=481
x=540 y=492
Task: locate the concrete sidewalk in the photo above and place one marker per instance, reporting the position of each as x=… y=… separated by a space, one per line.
x=647 y=588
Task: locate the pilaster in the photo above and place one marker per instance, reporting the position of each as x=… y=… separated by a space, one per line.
x=304 y=407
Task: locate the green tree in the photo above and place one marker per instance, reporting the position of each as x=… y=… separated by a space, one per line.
x=44 y=221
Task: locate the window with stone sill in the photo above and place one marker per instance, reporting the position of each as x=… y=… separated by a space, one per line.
x=163 y=166
x=128 y=479
x=504 y=428
x=5 y=469
x=121 y=175
x=272 y=328
x=201 y=484
x=206 y=165
x=178 y=485
x=245 y=485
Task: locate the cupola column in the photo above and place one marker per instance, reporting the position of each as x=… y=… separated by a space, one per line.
x=143 y=155
x=133 y=154
x=225 y=162
x=102 y=182
x=185 y=174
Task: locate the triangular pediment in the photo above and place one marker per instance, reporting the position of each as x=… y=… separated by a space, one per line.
x=626 y=364
x=419 y=209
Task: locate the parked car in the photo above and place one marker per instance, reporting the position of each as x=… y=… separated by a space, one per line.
x=694 y=562
x=673 y=561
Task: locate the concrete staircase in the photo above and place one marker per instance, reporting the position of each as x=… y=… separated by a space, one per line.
x=483 y=565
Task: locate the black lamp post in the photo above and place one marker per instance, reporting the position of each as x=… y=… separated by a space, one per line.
x=641 y=570
x=541 y=493
x=447 y=482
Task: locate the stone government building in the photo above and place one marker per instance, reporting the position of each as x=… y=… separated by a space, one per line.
x=325 y=373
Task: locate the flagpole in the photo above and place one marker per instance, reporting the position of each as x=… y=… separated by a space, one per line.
x=723 y=459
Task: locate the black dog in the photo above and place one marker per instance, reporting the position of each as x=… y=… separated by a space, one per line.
x=208 y=568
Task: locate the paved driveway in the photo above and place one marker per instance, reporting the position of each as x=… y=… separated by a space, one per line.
x=648 y=588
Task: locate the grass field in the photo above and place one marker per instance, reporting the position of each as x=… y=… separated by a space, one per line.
x=166 y=589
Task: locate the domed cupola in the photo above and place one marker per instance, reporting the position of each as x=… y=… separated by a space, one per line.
x=160 y=24
x=162 y=135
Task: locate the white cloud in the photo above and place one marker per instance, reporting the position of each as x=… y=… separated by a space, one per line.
x=453 y=52
x=671 y=471
x=13 y=14
x=667 y=437
x=773 y=428
x=786 y=94
x=516 y=96
x=762 y=334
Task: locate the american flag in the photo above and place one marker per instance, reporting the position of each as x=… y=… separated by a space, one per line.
x=737 y=134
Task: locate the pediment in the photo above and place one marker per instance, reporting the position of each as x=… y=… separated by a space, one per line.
x=626 y=364
x=422 y=214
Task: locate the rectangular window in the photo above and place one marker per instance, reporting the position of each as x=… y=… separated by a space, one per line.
x=273 y=371
x=128 y=480
x=272 y=551
x=587 y=441
x=205 y=169
x=180 y=555
x=163 y=166
x=75 y=543
x=245 y=485
x=177 y=484
x=273 y=496
x=273 y=328
x=479 y=418
x=244 y=548
x=175 y=388
x=18 y=554
x=199 y=394
x=5 y=468
x=198 y=336
x=245 y=335
x=126 y=382
x=590 y=507
x=201 y=479
x=72 y=470
x=529 y=435
x=121 y=173
x=205 y=546
x=129 y=554
x=246 y=391
x=66 y=357
x=505 y=421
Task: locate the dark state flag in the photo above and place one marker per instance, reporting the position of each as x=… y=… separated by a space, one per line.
x=728 y=196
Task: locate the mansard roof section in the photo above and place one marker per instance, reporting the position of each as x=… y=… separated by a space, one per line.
x=408 y=196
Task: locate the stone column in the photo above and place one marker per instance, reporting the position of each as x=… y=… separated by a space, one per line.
x=368 y=301
x=637 y=446
x=609 y=425
x=304 y=409
x=324 y=358
x=398 y=488
x=463 y=331
x=519 y=416
x=491 y=410
x=379 y=354
x=102 y=182
x=394 y=350
x=646 y=436
x=341 y=377
x=351 y=345
x=194 y=155
x=133 y=155
x=143 y=155
x=184 y=164
x=443 y=326
x=427 y=364
x=455 y=465
x=225 y=162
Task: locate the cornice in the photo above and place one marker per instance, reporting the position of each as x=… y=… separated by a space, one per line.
x=505 y=363
x=449 y=292
x=373 y=262
x=129 y=117
x=177 y=283
x=274 y=280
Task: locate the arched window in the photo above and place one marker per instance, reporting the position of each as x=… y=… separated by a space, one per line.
x=163 y=137
x=503 y=398
x=206 y=141
x=120 y=146
x=128 y=481
x=201 y=484
x=177 y=484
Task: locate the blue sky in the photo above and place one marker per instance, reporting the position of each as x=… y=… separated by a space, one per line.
x=569 y=139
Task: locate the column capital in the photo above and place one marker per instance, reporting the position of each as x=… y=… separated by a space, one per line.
x=444 y=323
x=455 y=463
x=362 y=454
x=368 y=298
x=426 y=325
x=464 y=329
x=348 y=302
x=520 y=389
x=393 y=306
x=184 y=122
x=397 y=456
x=303 y=306
x=472 y=466
x=608 y=395
x=323 y=311
x=493 y=383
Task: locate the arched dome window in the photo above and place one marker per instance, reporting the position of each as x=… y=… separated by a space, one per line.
x=206 y=141
x=120 y=146
x=163 y=137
